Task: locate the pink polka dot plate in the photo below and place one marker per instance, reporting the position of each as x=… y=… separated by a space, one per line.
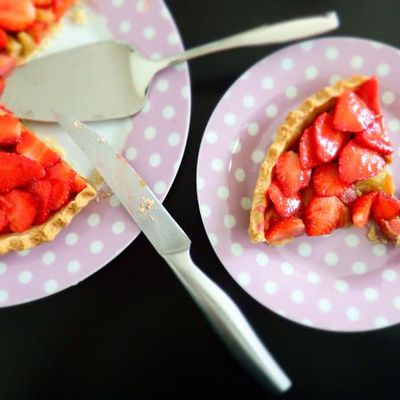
x=153 y=141
x=339 y=282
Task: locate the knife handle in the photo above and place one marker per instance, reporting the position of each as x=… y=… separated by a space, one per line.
x=229 y=323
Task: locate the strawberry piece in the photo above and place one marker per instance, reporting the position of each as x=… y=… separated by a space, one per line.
x=59 y=194
x=270 y=217
x=361 y=209
x=7 y=64
x=307 y=154
x=391 y=228
x=42 y=189
x=16 y=15
x=356 y=163
x=307 y=194
x=2 y=85
x=62 y=172
x=327 y=181
x=284 y=206
x=285 y=229
x=290 y=175
x=10 y=130
x=3 y=221
x=78 y=184
x=37 y=30
x=32 y=147
x=348 y=195
x=17 y=170
x=369 y=93
x=324 y=214
x=60 y=7
x=328 y=140
x=20 y=208
x=42 y=3
x=3 y=39
x=375 y=137
x=385 y=206
x=351 y=113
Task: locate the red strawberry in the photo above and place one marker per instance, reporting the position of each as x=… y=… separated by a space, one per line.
x=10 y=130
x=290 y=175
x=284 y=206
x=42 y=3
x=37 y=30
x=285 y=228
x=17 y=171
x=356 y=163
x=20 y=208
x=327 y=181
x=307 y=152
x=16 y=15
x=2 y=85
x=375 y=137
x=328 y=140
x=270 y=217
x=61 y=6
x=351 y=114
x=32 y=147
x=62 y=172
x=391 y=228
x=3 y=221
x=59 y=194
x=7 y=64
x=3 y=39
x=78 y=184
x=385 y=206
x=307 y=194
x=348 y=195
x=369 y=93
x=361 y=209
x=323 y=214
x=42 y=189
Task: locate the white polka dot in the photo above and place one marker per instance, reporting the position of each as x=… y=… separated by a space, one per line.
x=267 y=83
x=114 y=201
x=73 y=266
x=248 y=101
x=160 y=187
x=270 y=287
x=324 y=305
x=147 y=106
x=200 y=183
x=173 y=39
x=371 y=294
x=164 y=12
x=271 y=111
x=388 y=97
x=236 y=249
x=125 y=26
x=331 y=258
x=394 y=124
x=304 y=249
x=185 y=92
x=381 y=322
x=253 y=129
x=287 y=268
x=245 y=202
x=353 y=314
x=118 y=3
x=168 y=112
x=217 y=164
x=297 y=296
x=205 y=210
x=155 y=160
x=229 y=221
x=396 y=302
x=211 y=137
x=142 y=6
x=149 y=32
x=291 y=92
x=389 y=275
x=23 y=253
x=162 y=85
x=383 y=69
x=359 y=268
x=334 y=78
x=262 y=259
x=174 y=139
x=244 y=278
x=50 y=286
x=25 y=277
x=235 y=146
x=230 y=119
x=3 y=267
x=131 y=153
x=93 y=219
x=118 y=227
x=48 y=258
x=287 y=64
x=257 y=156
x=96 y=246
x=313 y=277
x=3 y=296
x=356 y=62
x=341 y=286
x=311 y=73
x=331 y=53
x=352 y=240
x=240 y=174
x=223 y=192
x=379 y=249
x=213 y=238
x=307 y=45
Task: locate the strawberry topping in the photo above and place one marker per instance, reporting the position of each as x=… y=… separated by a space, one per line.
x=327 y=181
x=284 y=206
x=369 y=93
x=42 y=189
x=10 y=130
x=16 y=15
x=385 y=206
x=307 y=154
x=284 y=229
x=361 y=209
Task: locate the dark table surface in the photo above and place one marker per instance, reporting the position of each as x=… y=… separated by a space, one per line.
x=132 y=331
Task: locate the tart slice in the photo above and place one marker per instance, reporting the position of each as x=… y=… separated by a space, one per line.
x=39 y=192
x=327 y=168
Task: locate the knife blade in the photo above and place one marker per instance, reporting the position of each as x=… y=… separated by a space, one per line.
x=173 y=245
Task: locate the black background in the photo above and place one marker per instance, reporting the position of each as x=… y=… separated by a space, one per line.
x=131 y=330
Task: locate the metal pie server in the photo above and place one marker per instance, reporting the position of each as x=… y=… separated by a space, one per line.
x=173 y=245
x=109 y=80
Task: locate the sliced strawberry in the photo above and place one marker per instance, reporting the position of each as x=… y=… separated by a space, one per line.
x=59 y=194
x=323 y=214
x=17 y=170
x=307 y=152
x=375 y=137
x=3 y=39
x=328 y=140
x=61 y=6
x=351 y=113
x=62 y=172
x=356 y=163
x=369 y=93
x=78 y=184
x=42 y=3
x=42 y=189
x=20 y=208
x=3 y=221
x=327 y=181
x=270 y=217
x=306 y=195
x=284 y=206
x=290 y=175
x=284 y=229
x=32 y=147
x=7 y=64
x=37 y=30
x=16 y=15
x=2 y=85
x=385 y=206
x=348 y=195
x=391 y=228
x=10 y=130
x=361 y=209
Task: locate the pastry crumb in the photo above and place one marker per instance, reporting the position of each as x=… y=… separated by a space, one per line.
x=372 y=235
x=78 y=15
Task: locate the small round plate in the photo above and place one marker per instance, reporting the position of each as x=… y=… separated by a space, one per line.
x=340 y=282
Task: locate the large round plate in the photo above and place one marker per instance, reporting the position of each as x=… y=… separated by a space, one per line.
x=341 y=282
x=153 y=141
